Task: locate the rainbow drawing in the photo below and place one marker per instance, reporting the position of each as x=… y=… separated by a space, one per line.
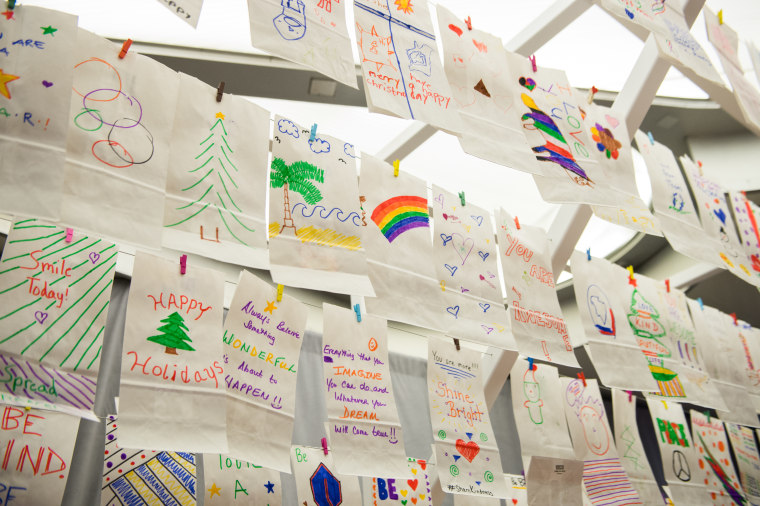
x=399 y=214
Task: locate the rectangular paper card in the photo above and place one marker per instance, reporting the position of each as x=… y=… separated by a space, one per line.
x=122 y=113
x=475 y=64
x=604 y=477
x=317 y=482
x=186 y=10
x=554 y=481
x=316 y=239
x=517 y=492
x=364 y=427
x=715 y=467
x=37 y=455
x=399 y=247
x=630 y=448
x=747 y=459
x=537 y=323
x=55 y=295
x=231 y=481
x=467 y=457
x=172 y=395
x=747 y=218
x=307 y=32
x=723 y=37
x=262 y=344
x=145 y=476
x=36 y=87
x=413 y=488
x=539 y=415
x=215 y=192
x=612 y=346
x=402 y=71
x=466 y=263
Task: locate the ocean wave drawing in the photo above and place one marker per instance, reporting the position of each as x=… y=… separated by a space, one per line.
x=340 y=215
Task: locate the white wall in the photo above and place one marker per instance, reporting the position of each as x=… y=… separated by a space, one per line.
x=731 y=160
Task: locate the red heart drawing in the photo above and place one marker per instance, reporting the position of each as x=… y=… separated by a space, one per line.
x=422 y=464
x=514 y=501
x=468 y=450
x=413 y=484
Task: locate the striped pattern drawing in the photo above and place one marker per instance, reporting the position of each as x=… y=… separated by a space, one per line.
x=138 y=477
x=607 y=484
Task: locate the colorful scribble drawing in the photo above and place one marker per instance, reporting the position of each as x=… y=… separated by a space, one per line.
x=376 y=49
x=4 y=80
x=532 y=391
x=138 y=477
x=644 y=320
x=678 y=203
x=401 y=214
x=600 y=311
x=607 y=484
x=291 y=22
x=605 y=141
x=214 y=192
x=173 y=335
x=553 y=148
x=298 y=177
x=736 y=495
x=419 y=58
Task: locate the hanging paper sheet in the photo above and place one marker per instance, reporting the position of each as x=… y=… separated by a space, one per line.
x=466 y=500
x=554 y=481
x=35 y=84
x=37 y=455
x=317 y=482
x=215 y=192
x=399 y=247
x=746 y=94
x=307 y=32
x=723 y=37
x=661 y=323
x=715 y=467
x=467 y=457
x=122 y=112
x=747 y=215
x=401 y=68
x=413 y=488
x=517 y=493
x=55 y=297
x=316 y=239
x=172 y=391
x=475 y=64
x=537 y=321
x=630 y=448
x=612 y=346
x=604 y=478
x=539 y=416
x=145 y=476
x=231 y=481
x=747 y=459
x=754 y=55
x=187 y=10
x=262 y=344
x=466 y=263
x=364 y=427
x=679 y=458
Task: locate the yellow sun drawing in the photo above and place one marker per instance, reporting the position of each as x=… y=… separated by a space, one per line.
x=405 y=6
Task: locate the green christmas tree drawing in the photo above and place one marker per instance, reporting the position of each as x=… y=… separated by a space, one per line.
x=644 y=320
x=173 y=335
x=298 y=177
x=214 y=173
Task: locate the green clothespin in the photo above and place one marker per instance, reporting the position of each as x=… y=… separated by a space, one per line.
x=461 y=198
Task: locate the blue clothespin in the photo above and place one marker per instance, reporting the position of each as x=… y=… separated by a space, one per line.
x=12 y=5
x=588 y=254
x=313 y=132
x=530 y=364
x=651 y=138
x=701 y=304
x=358 y=311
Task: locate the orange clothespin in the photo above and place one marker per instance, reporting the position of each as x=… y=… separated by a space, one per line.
x=468 y=22
x=517 y=223
x=396 y=164
x=183 y=264
x=220 y=92
x=733 y=315
x=279 y=292
x=69 y=234
x=667 y=285
x=125 y=48
x=532 y=59
x=324 y=445
x=582 y=377
x=591 y=94
x=456 y=344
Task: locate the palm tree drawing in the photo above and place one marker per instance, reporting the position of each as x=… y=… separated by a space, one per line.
x=297 y=176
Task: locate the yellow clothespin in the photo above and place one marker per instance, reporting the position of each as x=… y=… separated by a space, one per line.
x=395 y=168
x=279 y=293
x=720 y=17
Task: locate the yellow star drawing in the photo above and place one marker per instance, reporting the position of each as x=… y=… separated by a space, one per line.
x=4 y=80
x=214 y=490
x=270 y=307
x=220 y=115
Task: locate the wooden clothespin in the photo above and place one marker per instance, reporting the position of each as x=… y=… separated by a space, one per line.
x=125 y=48
x=324 y=445
x=279 y=292
x=396 y=164
x=313 y=135
x=530 y=363
x=588 y=254
x=461 y=199
x=69 y=234
x=532 y=59
x=358 y=311
x=667 y=285
x=651 y=138
x=517 y=223
x=183 y=264
x=582 y=377
x=468 y=22
x=701 y=304
x=630 y=395
x=220 y=91
x=720 y=16
x=733 y=315
x=456 y=344
x=591 y=93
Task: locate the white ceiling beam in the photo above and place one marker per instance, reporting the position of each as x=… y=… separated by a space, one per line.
x=552 y=21
x=405 y=142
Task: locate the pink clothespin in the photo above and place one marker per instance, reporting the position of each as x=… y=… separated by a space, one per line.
x=630 y=395
x=517 y=223
x=468 y=22
x=183 y=264
x=324 y=445
x=532 y=59
x=667 y=285
x=582 y=377
x=125 y=48
x=69 y=234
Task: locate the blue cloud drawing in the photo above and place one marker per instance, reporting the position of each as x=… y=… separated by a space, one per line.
x=349 y=150
x=288 y=127
x=319 y=146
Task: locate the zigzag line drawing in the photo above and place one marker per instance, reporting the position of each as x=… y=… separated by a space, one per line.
x=353 y=215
